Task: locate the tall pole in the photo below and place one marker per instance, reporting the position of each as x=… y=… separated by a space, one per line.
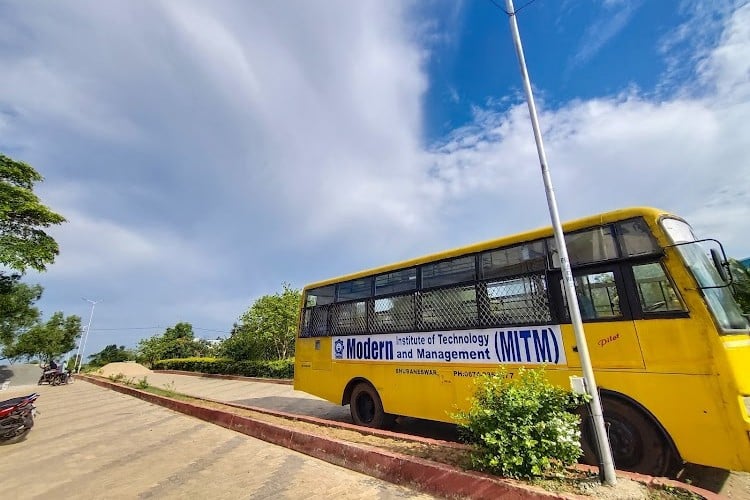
x=86 y=336
x=605 y=452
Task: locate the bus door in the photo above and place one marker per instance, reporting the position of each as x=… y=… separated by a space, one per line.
x=671 y=340
x=607 y=318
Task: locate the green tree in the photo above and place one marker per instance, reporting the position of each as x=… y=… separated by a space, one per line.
x=741 y=286
x=23 y=242
x=177 y=342
x=23 y=245
x=48 y=340
x=17 y=311
x=267 y=329
x=110 y=354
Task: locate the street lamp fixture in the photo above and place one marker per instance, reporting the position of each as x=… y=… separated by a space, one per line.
x=82 y=350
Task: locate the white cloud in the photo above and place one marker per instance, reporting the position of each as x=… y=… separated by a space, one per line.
x=203 y=155
x=685 y=154
x=604 y=29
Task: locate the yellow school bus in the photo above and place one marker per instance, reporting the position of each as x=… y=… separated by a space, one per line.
x=668 y=343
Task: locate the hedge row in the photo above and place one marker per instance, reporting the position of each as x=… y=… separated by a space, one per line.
x=283 y=368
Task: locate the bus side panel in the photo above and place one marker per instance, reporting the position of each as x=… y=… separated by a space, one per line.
x=312 y=368
x=692 y=411
x=424 y=391
x=736 y=365
x=678 y=345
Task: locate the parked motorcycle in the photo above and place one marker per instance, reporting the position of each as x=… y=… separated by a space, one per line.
x=17 y=417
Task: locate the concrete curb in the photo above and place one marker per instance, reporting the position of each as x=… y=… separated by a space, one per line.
x=285 y=381
x=424 y=475
x=341 y=425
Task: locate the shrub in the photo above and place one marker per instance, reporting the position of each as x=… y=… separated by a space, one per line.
x=142 y=383
x=117 y=378
x=522 y=427
x=264 y=369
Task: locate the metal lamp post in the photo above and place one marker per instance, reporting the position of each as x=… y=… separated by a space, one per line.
x=82 y=350
x=605 y=452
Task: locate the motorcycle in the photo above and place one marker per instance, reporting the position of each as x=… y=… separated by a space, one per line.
x=17 y=417
x=54 y=377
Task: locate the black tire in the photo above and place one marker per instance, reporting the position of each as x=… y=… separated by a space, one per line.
x=366 y=407
x=638 y=444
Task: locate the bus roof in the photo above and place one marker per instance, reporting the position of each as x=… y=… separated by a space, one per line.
x=650 y=214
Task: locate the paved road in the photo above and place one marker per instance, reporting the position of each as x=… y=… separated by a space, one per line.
x=18 y=375
x=284 y=398
x=91 y=442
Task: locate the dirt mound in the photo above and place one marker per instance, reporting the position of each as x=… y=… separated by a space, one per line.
x=126 y=368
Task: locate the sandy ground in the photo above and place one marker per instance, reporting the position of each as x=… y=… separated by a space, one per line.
x=128 y=369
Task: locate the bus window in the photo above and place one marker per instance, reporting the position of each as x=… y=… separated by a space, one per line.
x=315 y=322
x=636 y=238
x=449 y=272
x=655 y=291
x=520 y=300
x=396 y=282
x=515 y=260
x=354 y=289
x=320 y=296
x=394 y=314
x=449 y=308
x=349 y=318
x=597 y=296
x=586 y=247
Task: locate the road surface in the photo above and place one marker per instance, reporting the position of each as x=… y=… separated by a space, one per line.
x=91 y=442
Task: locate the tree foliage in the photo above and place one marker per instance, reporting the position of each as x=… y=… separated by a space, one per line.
x=47 y=340
x=23 y=242
x=23 y=245
x=176 y=342
x=267 y=329
x=111 y=354
x=741 y=286
x=17 y=311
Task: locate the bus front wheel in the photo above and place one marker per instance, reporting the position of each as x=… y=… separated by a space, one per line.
x=637 y=442
x=366 y=407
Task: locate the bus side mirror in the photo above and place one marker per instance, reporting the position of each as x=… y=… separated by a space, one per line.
x=721 y=265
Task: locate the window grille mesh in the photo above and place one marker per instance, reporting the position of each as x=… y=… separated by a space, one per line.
x=349 y=318
x=315 y=324
x=394 y=314
x=450 y=308
x=515 y=301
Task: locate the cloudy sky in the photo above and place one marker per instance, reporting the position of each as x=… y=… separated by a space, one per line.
x=206 y=152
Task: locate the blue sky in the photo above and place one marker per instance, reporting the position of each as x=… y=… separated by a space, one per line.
x=204 y=153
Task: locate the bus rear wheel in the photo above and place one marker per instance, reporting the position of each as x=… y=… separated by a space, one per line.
x=637 y=442
x=367 y=408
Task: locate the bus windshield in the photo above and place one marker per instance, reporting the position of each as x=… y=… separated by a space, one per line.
x=719 y=299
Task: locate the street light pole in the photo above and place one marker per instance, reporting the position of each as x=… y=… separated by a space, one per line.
x=605 y=452
x=82 y=350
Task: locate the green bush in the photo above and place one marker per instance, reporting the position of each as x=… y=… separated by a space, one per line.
x=522 y=427
x=142 y=383
x=264 y=369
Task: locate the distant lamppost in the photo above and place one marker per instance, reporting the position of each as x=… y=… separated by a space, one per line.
x=82 y=350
